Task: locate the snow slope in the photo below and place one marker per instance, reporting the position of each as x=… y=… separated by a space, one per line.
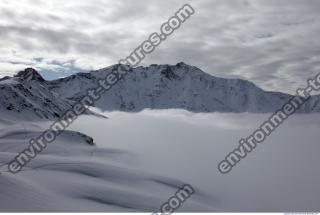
x=73 y=176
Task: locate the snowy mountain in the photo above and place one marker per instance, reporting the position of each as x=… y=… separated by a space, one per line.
x=176 y=86
x=27 y=96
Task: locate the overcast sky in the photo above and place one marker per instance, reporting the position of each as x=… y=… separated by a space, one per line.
x=274 y=43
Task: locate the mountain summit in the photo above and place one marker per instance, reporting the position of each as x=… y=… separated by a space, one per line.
x=30 y=74
x=27 y=96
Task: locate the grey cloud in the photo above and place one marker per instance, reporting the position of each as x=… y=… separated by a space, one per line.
x=270 y=42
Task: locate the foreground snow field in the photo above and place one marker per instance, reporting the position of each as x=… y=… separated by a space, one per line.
x=141 y=159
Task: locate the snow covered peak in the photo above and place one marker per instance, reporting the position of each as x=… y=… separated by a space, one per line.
x=30 y=74
x=27 y=96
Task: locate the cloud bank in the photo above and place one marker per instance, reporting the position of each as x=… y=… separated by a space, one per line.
x=280 y=175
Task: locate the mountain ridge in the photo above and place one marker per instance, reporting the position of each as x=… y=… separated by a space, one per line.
x=154 y=87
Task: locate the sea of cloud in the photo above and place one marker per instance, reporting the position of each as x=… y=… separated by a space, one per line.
x=281 y=174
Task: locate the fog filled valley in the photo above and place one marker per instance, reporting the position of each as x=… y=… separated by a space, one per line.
x=139 y=160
